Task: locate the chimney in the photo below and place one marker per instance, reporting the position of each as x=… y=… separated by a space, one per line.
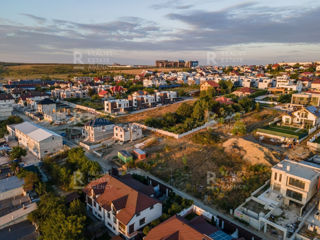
x=288 y=168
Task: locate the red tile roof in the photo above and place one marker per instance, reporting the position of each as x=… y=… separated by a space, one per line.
x=224 y=100
x=127 y=198
x=178 y=228
x=213 y=83
x=245 y=90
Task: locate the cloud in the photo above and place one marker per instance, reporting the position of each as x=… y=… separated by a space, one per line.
x=238 y=25
x=171 y=4
x=37 y=19
x=259 y=25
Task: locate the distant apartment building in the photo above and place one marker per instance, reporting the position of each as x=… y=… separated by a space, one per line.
x=123 y=204
x=98 y=129
x=6 y=105
x=39 y=141
x=179 y=63
x=127 y=132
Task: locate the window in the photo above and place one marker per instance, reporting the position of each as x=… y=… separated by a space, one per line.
x=108 y=214
x=294 y=195
x=99 y=208
x=138 y=214
x=142 y=221
x=151 y=207
x=280 y=177
x=131 y=228
x=94 y=204
x=275 y=176
x=114 y=220
x=296 y=183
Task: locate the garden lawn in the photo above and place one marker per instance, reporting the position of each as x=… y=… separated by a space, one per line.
x=284 y=131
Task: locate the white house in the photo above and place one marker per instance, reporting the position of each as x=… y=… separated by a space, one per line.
x=39 y=141
x=305 y=117
x=116 y=105
x=296 y=181
x=97 y=130
x=46 y=106
x=6 y=106
x=123 y=204
x=127 y=132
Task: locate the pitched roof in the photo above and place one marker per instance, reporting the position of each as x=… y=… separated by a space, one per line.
x=46 y=101
x=32 y=94
x=34 y=131
x=126 y=194
x=178 y=228
x=213 y=83
x=314 y=110
x=224 y=100
x=99 y=122
x=245 y=90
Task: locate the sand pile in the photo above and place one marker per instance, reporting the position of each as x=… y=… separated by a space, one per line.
x=250 y=151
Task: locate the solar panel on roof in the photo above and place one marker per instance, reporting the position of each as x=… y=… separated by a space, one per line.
x=220 y=235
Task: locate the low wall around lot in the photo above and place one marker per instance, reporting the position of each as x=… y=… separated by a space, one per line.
x=174 y=135
x=312 y=144
x=84 y=108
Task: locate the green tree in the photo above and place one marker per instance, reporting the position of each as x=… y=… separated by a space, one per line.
x=184 y=110
x=146 y=230
x=17 y=152
x=239 y=128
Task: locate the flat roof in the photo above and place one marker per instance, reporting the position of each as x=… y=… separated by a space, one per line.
x=125 y=153
x=139 y=151
x=299 y=169
x=10 y=183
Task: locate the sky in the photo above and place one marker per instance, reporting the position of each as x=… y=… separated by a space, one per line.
x=214 y=32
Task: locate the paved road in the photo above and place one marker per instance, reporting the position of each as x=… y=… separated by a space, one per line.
x=20 y=231
x=200 y=204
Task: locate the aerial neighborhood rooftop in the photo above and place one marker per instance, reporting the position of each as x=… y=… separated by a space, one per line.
x=175 y=151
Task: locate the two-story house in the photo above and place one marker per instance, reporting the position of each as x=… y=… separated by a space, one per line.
x=122 y=203
x=306 y=117
x=98 y=129
x=296 y=181
x=127 y=132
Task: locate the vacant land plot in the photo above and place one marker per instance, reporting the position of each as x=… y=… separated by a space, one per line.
x=284 y=131
x=205 y=171
x=66 y=71
x=155 y=112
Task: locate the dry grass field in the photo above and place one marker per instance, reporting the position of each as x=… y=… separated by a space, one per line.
x=66 y=71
